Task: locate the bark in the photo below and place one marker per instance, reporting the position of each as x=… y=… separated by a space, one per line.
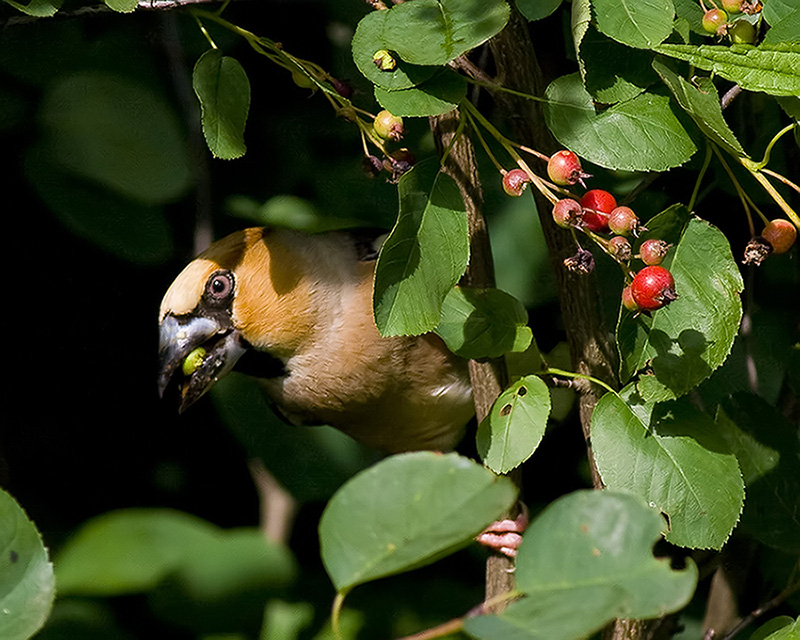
x=489 y=377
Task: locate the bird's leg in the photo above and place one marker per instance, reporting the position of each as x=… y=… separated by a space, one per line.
x=505 y=536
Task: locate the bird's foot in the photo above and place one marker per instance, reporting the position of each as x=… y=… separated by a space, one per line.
x=505 y=536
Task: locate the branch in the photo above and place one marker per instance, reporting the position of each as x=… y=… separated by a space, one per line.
x=102 y=9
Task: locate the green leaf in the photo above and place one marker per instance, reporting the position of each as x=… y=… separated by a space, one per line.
x=116 y=133
x=37 y=8
x=124 y=228
x=580 y=20
x=310 y=462
x=223 y=89
x=440 y=94
x=483 y=323
x=700 y=100
x=589 y=552
x=687 y=340
x=27 y=585
x=288 y=212
x=425 y=254
x=122 y=6
x=537 y=9
x=637 y=23
x=512 y=431
x=614 y=72
x=769 y=455
x=434 y=32
x=135 y=550
x=668 y=453
x=406 y=512
x=367 y=40
x=642 y=134
x=773 y=69
x=779 y=628
x=783 y=17
x=691 y=13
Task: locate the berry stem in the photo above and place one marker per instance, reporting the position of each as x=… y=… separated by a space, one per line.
x=507 y=145
x=550 y=371
x=783 y=179
x=700 y=176
x=533 y=152
x=777 y=197
x=458 y=132
x=760 y=165
x=741 y=193
x=485 y=146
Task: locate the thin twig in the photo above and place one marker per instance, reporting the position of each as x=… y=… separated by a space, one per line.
x=761 y=610
x=730 y=95
x=102 y=9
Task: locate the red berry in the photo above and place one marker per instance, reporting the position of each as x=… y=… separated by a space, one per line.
x=567 y=213
x=623 y=220
x=620 y=248
x=388 y=126
x=714 y=20
x=781 y=234
x=653 y=251
x=564 y=168
x=653 y=288
x=597 y=205
x=627 y=299
x=515 y=181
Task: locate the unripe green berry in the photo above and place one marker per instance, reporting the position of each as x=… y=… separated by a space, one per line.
x=388 y=126
x=714 y=20
x=384 y=60
x=193 y=361
x=742 y=32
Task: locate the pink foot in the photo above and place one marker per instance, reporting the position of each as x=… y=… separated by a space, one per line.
x=505 y=536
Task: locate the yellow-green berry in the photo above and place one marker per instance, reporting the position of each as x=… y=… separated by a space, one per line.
x=193 y=361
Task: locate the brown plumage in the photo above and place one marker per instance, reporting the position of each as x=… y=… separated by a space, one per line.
x=296 y=311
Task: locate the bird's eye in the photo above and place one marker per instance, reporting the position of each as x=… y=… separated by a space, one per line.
x=220 y=285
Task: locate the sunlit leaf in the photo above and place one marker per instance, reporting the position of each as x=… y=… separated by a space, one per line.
x=26 y=575
x=407 y=511
x=425 y=254
x=223 y=89
x=637 y=23
x=669 y=454
x=483 y=323
x=773 y=69
x=512 y=431
x=642 y=134
x=687 y=340
x=434 y=32
x=587 y=559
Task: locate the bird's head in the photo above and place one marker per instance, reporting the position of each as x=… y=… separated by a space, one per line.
x=244 y=300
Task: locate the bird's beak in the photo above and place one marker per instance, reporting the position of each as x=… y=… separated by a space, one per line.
x=181 y=335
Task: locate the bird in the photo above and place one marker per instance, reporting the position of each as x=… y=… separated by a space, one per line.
x=295 y=311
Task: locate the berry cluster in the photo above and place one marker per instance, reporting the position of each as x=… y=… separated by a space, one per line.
x=387 y=129
x=718 y=21
x=597 y=214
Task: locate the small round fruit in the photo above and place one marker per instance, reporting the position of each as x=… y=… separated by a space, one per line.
x=597 y=205
x=384 y=60
x=567 y=213
x=620 y=248
x=714 y=20
x=564 y=168
x=388 y=126
x=653 y=251
x=653 y=288
x=193 y=361
x=781 y=234
x=627 y=299
x=742 y=32
x=515 y=181
x=623 y=221
x=732 y=6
